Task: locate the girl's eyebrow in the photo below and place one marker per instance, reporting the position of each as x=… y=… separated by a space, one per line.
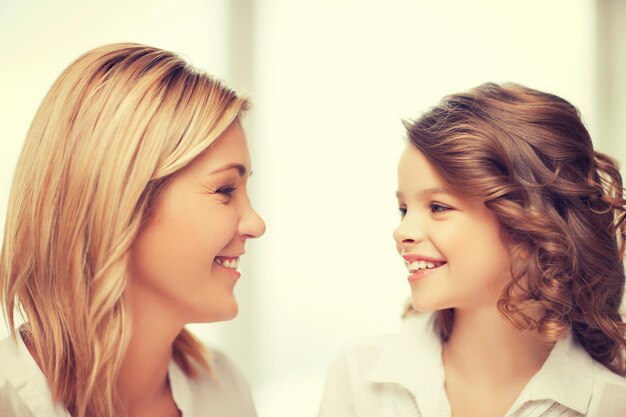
x=428 y=191
x=241 y=169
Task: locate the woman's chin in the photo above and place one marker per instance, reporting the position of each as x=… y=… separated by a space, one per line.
x=231 y=312
x=225 y=312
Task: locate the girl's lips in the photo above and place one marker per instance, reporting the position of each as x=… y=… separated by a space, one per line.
x=421 y=273
x=421 y=266
x=416 y=257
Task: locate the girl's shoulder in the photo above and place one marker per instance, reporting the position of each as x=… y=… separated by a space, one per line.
x=608 y=393
x=605 y=376
x=416 y=332
x=414 y=350
x=608 y=385
x=367 y=377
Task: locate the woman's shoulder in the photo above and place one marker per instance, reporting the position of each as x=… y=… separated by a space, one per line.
x=15 y=361
x=221 y=368
x=220 y=390
x=9 y=366
x=8 y=354
x=24 y=391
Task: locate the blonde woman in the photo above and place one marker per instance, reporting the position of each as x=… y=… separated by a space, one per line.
x=127 y=218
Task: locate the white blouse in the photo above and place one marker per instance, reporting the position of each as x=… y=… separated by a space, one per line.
x=24 y=391
x=402 y=375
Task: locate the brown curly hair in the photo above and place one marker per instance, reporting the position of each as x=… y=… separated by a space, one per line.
x=527 y=155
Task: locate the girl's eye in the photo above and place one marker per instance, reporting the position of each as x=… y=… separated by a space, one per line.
x=438 y=208
x=402 y=211
x=227 y=190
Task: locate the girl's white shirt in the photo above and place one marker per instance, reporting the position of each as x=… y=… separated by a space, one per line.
x=24 y=391
x=402 y=375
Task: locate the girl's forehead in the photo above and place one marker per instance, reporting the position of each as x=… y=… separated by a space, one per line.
x=414 y=170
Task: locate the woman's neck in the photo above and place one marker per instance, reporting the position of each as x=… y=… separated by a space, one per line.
x=143 y=377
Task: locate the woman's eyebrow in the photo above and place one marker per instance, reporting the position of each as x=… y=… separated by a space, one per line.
x=241 y=169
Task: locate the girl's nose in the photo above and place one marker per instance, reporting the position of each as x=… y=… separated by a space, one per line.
x=408 y=232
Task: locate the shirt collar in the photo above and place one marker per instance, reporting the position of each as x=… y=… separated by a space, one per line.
x=181 y=390
x=565 y=377
x=33 y=388
x=412 y=359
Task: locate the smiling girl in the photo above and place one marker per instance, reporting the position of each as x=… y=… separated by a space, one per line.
x=513 y=235
x=127 y=218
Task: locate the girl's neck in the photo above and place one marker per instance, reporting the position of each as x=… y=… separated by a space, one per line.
x=485 y=346
x=488 y=362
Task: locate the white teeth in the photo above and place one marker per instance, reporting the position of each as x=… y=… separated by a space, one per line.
x=416 y=265
x=228 y=263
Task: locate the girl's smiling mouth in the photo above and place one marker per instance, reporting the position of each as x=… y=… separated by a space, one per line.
x=420 y=266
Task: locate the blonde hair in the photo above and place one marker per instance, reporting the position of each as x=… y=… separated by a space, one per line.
x=116 y=125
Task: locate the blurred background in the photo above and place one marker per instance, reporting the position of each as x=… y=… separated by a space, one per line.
x=330 y=81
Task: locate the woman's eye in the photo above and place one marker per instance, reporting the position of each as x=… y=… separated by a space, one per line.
x=402 y=211
x=227 y=191
x=438 y=208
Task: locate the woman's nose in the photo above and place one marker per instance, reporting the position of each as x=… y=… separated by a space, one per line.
x=251 y=224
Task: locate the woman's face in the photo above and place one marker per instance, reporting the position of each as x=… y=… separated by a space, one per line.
x=185 y=257
x=452 y=246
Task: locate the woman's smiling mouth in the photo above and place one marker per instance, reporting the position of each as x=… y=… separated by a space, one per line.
x=231 y=263
x=227 y=261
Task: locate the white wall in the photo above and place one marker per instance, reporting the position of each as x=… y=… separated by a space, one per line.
x=611 y=83
x=331 y=80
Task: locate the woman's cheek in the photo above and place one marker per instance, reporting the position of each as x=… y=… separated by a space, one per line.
x=223 y=225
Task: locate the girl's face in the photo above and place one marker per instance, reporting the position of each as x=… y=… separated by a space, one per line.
x=185 y=257
x=451 y=245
